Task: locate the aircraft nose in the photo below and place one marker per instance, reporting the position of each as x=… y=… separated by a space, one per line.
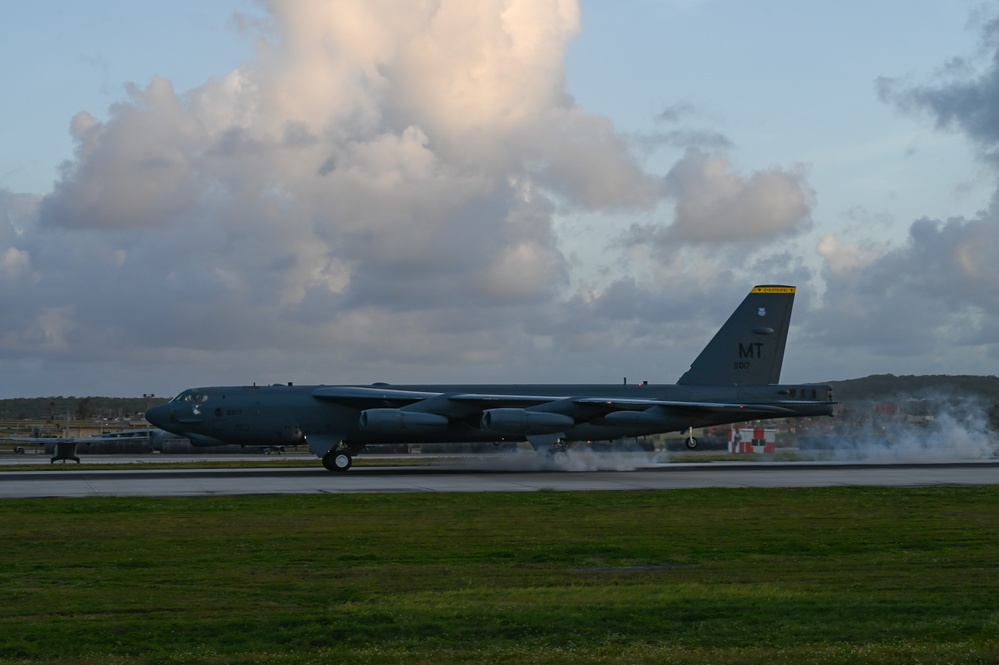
x=158 y=416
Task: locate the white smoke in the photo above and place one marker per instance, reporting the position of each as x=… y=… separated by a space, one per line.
x=581 y=458
x=940 y=428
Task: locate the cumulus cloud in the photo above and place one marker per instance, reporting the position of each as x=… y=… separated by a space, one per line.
x=14 y=262
x=377 y=188
x=714 y=203
x=719 y=206
x=377 y=167
x=962 y=98
x=842 y=256
x=17 y=212
x=931 y=299
x=136 y=171
x=388 y=191
x=937 y=289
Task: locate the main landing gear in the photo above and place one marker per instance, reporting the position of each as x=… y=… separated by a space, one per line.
x=552 y=449
x=559 y=454
x=337 y=460
x=341 y=457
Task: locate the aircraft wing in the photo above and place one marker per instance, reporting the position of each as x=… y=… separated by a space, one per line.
x=41 y=441
x=685 y=407
x=364 y=397
x=582 y=409
x=601 y=405
x=65 y=447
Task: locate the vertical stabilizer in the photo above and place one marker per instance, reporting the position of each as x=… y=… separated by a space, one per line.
x=749 y=348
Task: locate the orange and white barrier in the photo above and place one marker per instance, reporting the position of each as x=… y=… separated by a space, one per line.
x=752 y=440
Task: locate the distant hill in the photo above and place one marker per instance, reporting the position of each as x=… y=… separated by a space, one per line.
x=78 y=408
x=888 y=386
x=876 y=387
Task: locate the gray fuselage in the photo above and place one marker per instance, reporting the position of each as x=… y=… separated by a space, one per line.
x=284 y=415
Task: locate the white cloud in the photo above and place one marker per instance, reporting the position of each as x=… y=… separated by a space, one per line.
x=47 y=333
x=372 y=197
x=716 y=204
x=843 y=256
x=14 y=262
x=376 y=162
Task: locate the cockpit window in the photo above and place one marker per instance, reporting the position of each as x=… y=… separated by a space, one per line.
x=191 y=397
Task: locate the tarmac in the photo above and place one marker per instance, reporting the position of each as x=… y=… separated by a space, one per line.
x=472 y=474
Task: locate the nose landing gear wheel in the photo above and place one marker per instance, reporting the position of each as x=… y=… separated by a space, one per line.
x=337 y=460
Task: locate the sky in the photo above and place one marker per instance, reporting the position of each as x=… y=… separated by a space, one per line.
x=508 y=191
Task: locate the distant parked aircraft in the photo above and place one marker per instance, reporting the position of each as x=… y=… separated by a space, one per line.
x=66 y=447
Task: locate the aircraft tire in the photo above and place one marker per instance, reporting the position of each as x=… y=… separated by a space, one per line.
x=560 y=458
x=337 y=460
x=690 y=442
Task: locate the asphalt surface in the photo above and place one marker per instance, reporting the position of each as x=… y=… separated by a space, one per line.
x=74 y=481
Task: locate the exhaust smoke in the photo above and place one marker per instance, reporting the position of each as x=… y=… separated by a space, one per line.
x=936 y=428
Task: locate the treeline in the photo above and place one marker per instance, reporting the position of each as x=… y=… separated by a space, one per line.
x=78 y=408
x=875 y=387
x=889 y=386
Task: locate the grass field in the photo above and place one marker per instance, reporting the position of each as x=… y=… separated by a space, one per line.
x=689 y=576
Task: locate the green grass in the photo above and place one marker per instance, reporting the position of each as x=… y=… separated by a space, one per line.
x=687 y=576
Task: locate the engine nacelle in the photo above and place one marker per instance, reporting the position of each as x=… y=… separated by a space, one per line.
x=650 y=418
x=520 y=421
x=395 y=420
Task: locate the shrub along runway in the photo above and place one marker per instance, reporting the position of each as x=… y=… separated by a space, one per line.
x=825 y=575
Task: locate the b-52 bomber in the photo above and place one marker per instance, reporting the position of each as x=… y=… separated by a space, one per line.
x=734 y=379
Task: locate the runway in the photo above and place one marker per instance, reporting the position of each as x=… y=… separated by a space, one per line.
x=74 y=482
